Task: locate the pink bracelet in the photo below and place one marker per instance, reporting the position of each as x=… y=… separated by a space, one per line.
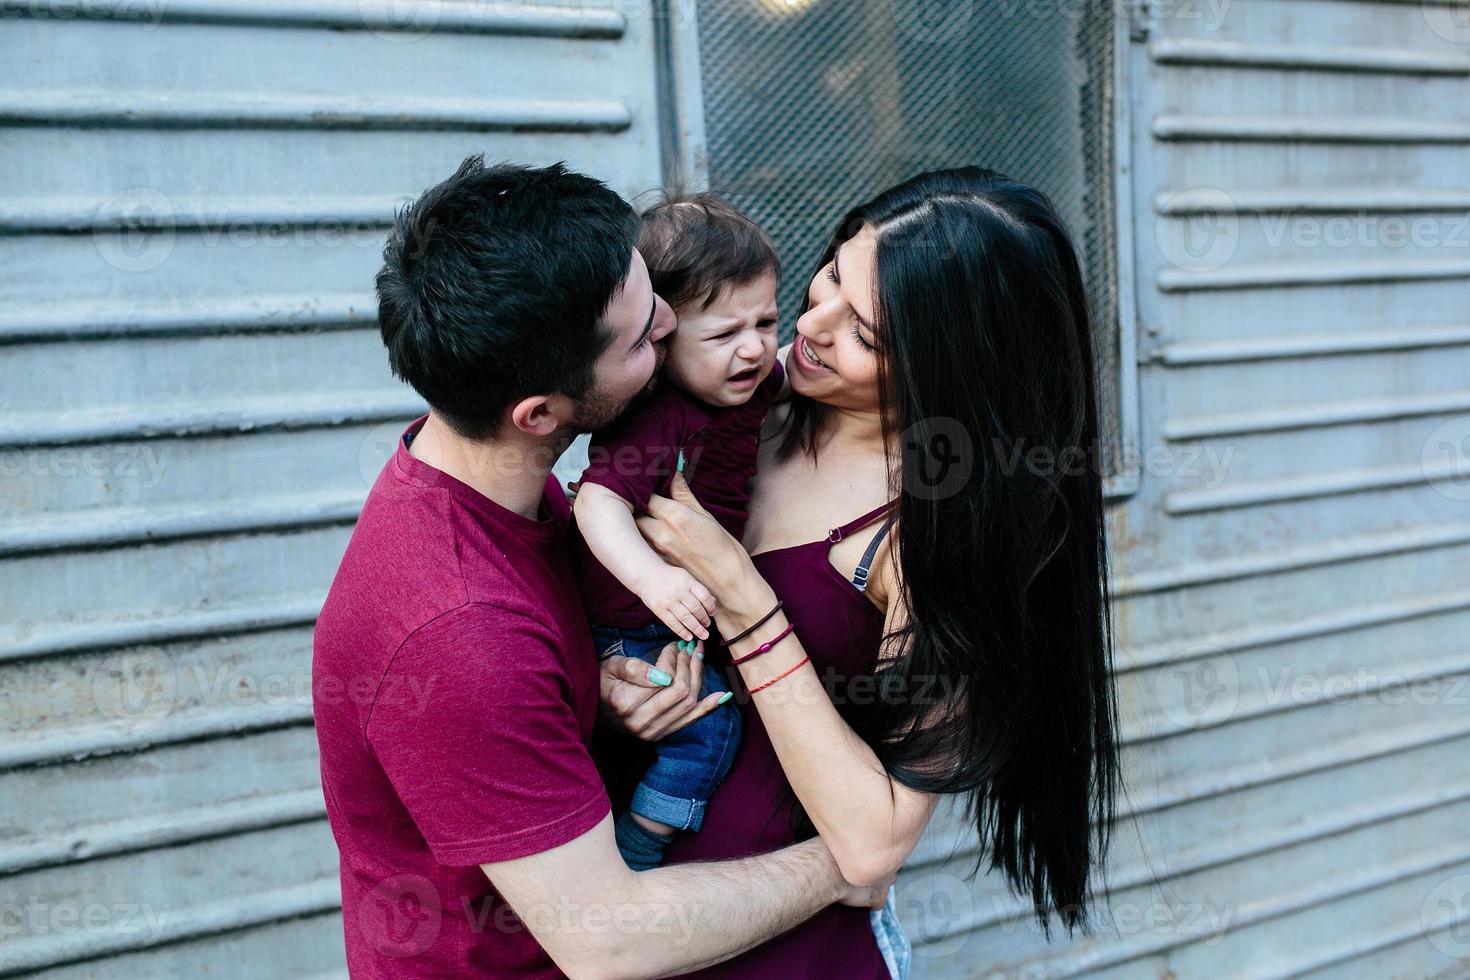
x=766 y=646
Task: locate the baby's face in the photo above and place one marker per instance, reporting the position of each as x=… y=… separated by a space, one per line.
x=721 y=354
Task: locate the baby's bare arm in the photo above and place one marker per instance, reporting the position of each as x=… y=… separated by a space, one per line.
x=606 y=522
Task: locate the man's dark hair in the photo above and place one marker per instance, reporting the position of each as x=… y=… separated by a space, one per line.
x=697 y=244
x=493 y=287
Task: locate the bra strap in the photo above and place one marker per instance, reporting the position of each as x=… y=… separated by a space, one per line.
x=838 y=533
x=860 y=577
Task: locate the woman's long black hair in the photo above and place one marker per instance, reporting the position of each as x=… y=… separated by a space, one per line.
x=988 y=391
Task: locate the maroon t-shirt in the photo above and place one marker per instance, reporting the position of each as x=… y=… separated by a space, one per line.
x=635 y=458
x=455 y=688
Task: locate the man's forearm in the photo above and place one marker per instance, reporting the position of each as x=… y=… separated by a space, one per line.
x=715 y=910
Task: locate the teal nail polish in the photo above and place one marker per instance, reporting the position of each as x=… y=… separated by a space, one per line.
x=725 y=697
x=659 y=677
x=681 y=461
x=699 y=653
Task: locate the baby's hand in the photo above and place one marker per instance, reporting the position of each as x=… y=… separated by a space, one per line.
x=677 y=598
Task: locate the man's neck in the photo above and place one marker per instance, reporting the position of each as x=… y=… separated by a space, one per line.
x=510 y=471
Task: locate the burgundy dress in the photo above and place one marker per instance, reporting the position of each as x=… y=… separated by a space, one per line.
x=840 y=629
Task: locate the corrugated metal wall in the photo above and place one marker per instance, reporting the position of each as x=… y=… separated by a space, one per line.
x=193 y=402
x=1294 y=594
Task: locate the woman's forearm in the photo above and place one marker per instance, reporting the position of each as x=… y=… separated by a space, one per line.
x=870 y=823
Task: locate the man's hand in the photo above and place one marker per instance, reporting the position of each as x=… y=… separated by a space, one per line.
x=873 y=896
x=678 y=599
x=635 y=699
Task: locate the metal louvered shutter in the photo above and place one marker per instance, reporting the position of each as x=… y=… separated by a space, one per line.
x=193 y=403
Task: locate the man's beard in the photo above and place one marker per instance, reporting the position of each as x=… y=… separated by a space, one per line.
x=597 y=411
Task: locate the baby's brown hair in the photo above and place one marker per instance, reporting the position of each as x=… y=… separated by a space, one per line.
x=697 y=244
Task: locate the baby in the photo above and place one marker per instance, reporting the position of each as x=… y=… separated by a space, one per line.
x=718 y=271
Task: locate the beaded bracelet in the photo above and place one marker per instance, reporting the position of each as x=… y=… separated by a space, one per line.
x=781 y=676
x=756 y=625
x=764 y=647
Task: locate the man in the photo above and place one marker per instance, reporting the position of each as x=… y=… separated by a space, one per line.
x=454 y=679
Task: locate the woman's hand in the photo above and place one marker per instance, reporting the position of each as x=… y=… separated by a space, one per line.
x=649 y=702
x=685 y=534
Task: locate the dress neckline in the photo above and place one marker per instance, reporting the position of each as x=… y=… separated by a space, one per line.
x=834 y=535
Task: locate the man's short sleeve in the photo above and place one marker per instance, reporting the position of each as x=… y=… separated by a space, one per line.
x=474 y=725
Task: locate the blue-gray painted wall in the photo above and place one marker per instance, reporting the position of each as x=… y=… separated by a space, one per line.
x=193 y=195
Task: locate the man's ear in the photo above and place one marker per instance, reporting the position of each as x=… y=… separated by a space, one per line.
x=541 y=415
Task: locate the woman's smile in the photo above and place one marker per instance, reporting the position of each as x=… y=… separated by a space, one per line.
x=806 y=358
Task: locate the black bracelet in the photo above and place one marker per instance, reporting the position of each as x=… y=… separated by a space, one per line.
x=758 y=623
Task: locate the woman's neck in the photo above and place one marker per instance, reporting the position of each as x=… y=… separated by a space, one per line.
x=846 y=431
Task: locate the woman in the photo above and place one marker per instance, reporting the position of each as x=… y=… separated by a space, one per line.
x=942 y=378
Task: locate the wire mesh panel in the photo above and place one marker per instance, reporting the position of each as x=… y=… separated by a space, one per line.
x=814 y=105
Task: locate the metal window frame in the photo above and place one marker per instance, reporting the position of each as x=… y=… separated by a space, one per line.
x=685 y=156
